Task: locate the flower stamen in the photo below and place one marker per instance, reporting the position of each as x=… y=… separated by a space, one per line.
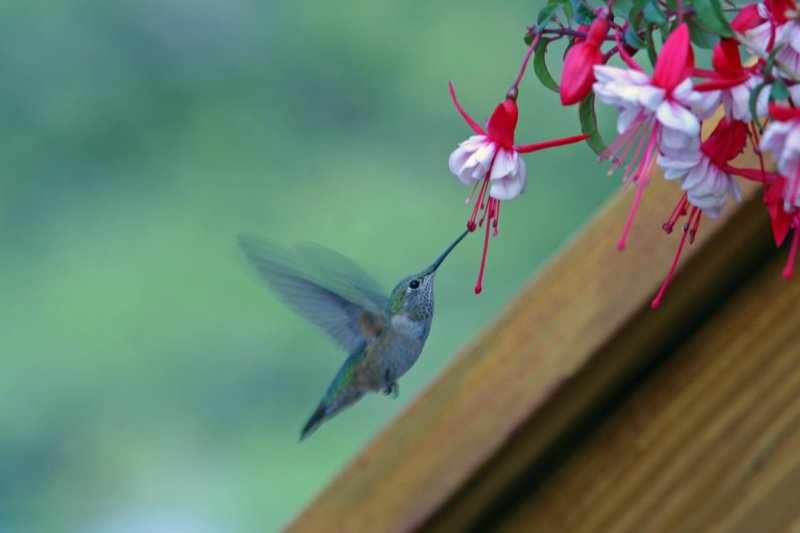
x=691 y=223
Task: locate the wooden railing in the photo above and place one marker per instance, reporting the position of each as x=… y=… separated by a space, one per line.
x=582 y=409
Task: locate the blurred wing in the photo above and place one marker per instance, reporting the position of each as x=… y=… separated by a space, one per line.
x=344 y=272
x=348 y=323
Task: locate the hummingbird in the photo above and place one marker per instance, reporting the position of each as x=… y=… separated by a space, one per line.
x=383 y=336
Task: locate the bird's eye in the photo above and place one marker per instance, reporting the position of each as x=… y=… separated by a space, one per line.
x=414 y=284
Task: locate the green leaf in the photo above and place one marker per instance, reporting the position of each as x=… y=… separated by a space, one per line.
x=769 y=64
x=632 y=39
x=635 y=19
x=712 y=18
x=778 y=91
x=540 y=66
x=583 y=13
x=588 y=120
x=653 y=14
x=700 y=36
x=622 y=6
x=753 y=101
x=545 y=15
x=566 y=5
x=649 y=42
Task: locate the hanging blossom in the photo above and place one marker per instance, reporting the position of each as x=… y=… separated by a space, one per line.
x=734 y=84
x=655 y=112
x=577 y=76
x=769 y=26
x=707 y=179
x=491 y=162
x=782 y=139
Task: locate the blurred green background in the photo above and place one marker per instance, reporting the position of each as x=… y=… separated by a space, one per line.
x=149 y=382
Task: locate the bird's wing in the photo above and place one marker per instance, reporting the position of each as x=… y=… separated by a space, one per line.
x=346 y=274
x=349 y=323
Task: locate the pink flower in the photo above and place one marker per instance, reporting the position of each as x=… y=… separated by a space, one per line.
x=704 y=173
x=708 y=180
x=782 y=221
x=491 y=163
x=782 y=138
x=735 y=83
x=655 y=112
x=491 y=157
x=578 y=74
x=747 y=18
x=775 y=30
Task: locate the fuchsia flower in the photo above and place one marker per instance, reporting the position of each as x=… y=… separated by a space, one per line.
x=491 y=162
x=707 y=177
x=578 y=74
x=655 y=112
x=747 y=19
x=704 y=173
x=782 y=138
x=775 y=29
x=735 y=83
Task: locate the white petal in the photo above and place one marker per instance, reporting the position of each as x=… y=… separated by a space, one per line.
x=696 y=176
x=625 y=87
x=760 y=35
x=463 y=161
x=675 y=143
x=679 y=160
x=651 y=97
x=706 y=104
x=789 y=58
x=480 y=160
x=684 y=92
x=626 y=118
x=606 y=73
x=673 y=115
x=789 y=34
x=505 y=163
x=775 y=136
x=740 y=102
x=457 y=160
x=510 y=186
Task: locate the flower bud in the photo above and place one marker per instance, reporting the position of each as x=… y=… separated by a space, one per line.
x=578 y=74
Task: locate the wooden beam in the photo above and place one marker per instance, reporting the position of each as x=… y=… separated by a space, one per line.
x=574 y=333
x=710 y=443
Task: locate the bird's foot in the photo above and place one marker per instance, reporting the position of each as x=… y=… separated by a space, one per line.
x=392 y=389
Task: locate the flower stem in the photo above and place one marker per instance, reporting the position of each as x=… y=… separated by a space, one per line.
x=526 y=60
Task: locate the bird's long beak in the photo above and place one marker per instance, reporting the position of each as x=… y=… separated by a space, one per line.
x=438 y=262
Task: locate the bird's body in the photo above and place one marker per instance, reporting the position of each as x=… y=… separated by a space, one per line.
x=383 y=336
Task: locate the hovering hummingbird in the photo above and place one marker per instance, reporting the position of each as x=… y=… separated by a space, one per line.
x=383 y=335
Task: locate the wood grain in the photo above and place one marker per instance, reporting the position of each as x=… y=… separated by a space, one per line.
x=710 y=443
x=572 y=336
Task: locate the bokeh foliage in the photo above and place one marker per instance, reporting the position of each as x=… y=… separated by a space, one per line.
x=149 y=382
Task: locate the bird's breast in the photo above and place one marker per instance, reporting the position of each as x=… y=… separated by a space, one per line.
x=391 y=355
